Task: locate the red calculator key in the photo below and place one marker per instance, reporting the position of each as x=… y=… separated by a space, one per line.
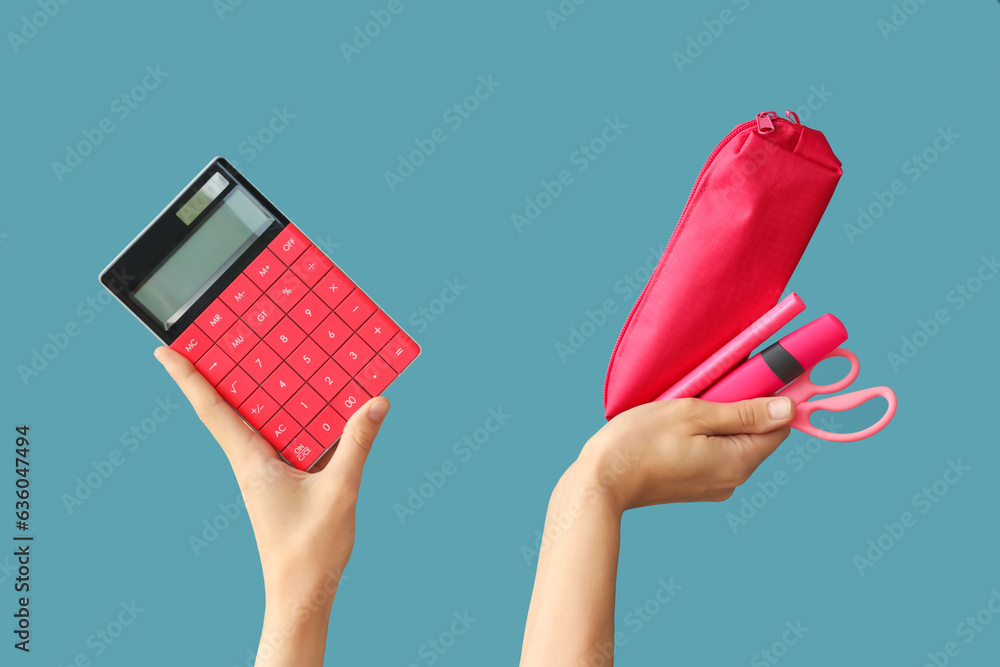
x=264 y=270
x=354 y=354
x=334 y=287
x=240 y=294
x=376 y=376
x=287 y=291
x=399 y=351
x=355 y=309
x=309 y=312
x=216 y=319
x=215 y=365
x=307 y=358
x=332 y=333
x=282 y=383
x=285 y=337
x=236 y=387
x=329 y=380
x=258 y=408
x=303 y=451
x=192 y=343
x=280 y=430
x=262 y=316
x=312 y=266
x=378 y=330
x=349 y=400
x=238 y=341
x=261 y=362
x=288 y=244
x=327 y=427
x=305 y=405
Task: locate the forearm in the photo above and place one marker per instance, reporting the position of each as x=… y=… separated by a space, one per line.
x=571 y=615
x=296 y=619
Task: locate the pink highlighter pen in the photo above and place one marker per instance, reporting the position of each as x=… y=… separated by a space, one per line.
x=739 y=347
x=777 y=365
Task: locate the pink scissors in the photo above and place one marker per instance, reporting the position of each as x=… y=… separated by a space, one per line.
x=802 y=389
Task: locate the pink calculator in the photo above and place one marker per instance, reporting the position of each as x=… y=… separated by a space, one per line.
x=281 y=332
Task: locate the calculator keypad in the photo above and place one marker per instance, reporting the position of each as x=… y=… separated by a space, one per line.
x=240 y=295
x=215 y=365
x=296 y=347
x=193 y=343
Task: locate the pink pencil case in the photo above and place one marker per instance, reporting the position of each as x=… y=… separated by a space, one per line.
x=753 y=209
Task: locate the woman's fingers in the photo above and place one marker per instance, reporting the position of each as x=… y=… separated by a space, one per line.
x=758 y=415
x=238 y=441
x=751 y=431
x=348 y=460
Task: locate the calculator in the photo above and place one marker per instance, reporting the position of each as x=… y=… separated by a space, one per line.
x=280 y=331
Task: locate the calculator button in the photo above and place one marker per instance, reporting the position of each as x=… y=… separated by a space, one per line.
x=285 y=337
x=332 y=333
x=238 y=341
x=309 y=312
x=376 y=376
x=355 y=309
x=215 y=365
x=327 y=427
x=288 y=244
x=305 y=405
x=354 y=354
x=329 y=380
x=282 y=383
x=312 y=266
x=260 y=363
x=216 y=319
x=399 y=351
x=334 y=287
x=307 y=358
x=240 y=294
x=378 y=330
x=236 y=387
x=262 y=316
x=349 y=400
x=280 y=430
x=259 y=408
x=192 y=343
x=303 y=451
x=287 y=291
x=264 y=270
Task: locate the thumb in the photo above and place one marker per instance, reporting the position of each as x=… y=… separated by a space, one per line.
x=359 y=434
x=757 y=415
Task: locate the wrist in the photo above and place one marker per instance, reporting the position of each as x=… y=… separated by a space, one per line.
x=591 y=483
x=289 y=590
x=608 y=471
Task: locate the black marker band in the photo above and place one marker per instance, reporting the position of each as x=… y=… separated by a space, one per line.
x=782 y=364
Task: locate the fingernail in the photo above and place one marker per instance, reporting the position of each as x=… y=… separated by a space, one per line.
x=779 y=408
x=156 y=353
x=377 y=411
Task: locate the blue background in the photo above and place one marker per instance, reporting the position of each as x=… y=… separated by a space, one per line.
x=495 y=345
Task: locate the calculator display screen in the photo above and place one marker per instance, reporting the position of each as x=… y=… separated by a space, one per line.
x=208 y=251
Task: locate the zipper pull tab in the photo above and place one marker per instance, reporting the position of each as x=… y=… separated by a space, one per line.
x=764 y=124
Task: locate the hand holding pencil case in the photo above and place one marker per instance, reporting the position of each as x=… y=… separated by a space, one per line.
x=750 y=216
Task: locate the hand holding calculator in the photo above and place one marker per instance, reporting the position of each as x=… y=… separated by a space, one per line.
x=280 y=331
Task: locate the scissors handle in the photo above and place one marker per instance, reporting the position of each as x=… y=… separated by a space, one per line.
x=839 y=404
x=803 y=389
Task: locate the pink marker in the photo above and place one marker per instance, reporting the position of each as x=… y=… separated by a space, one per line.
x=781 y=363
x=729 y=355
